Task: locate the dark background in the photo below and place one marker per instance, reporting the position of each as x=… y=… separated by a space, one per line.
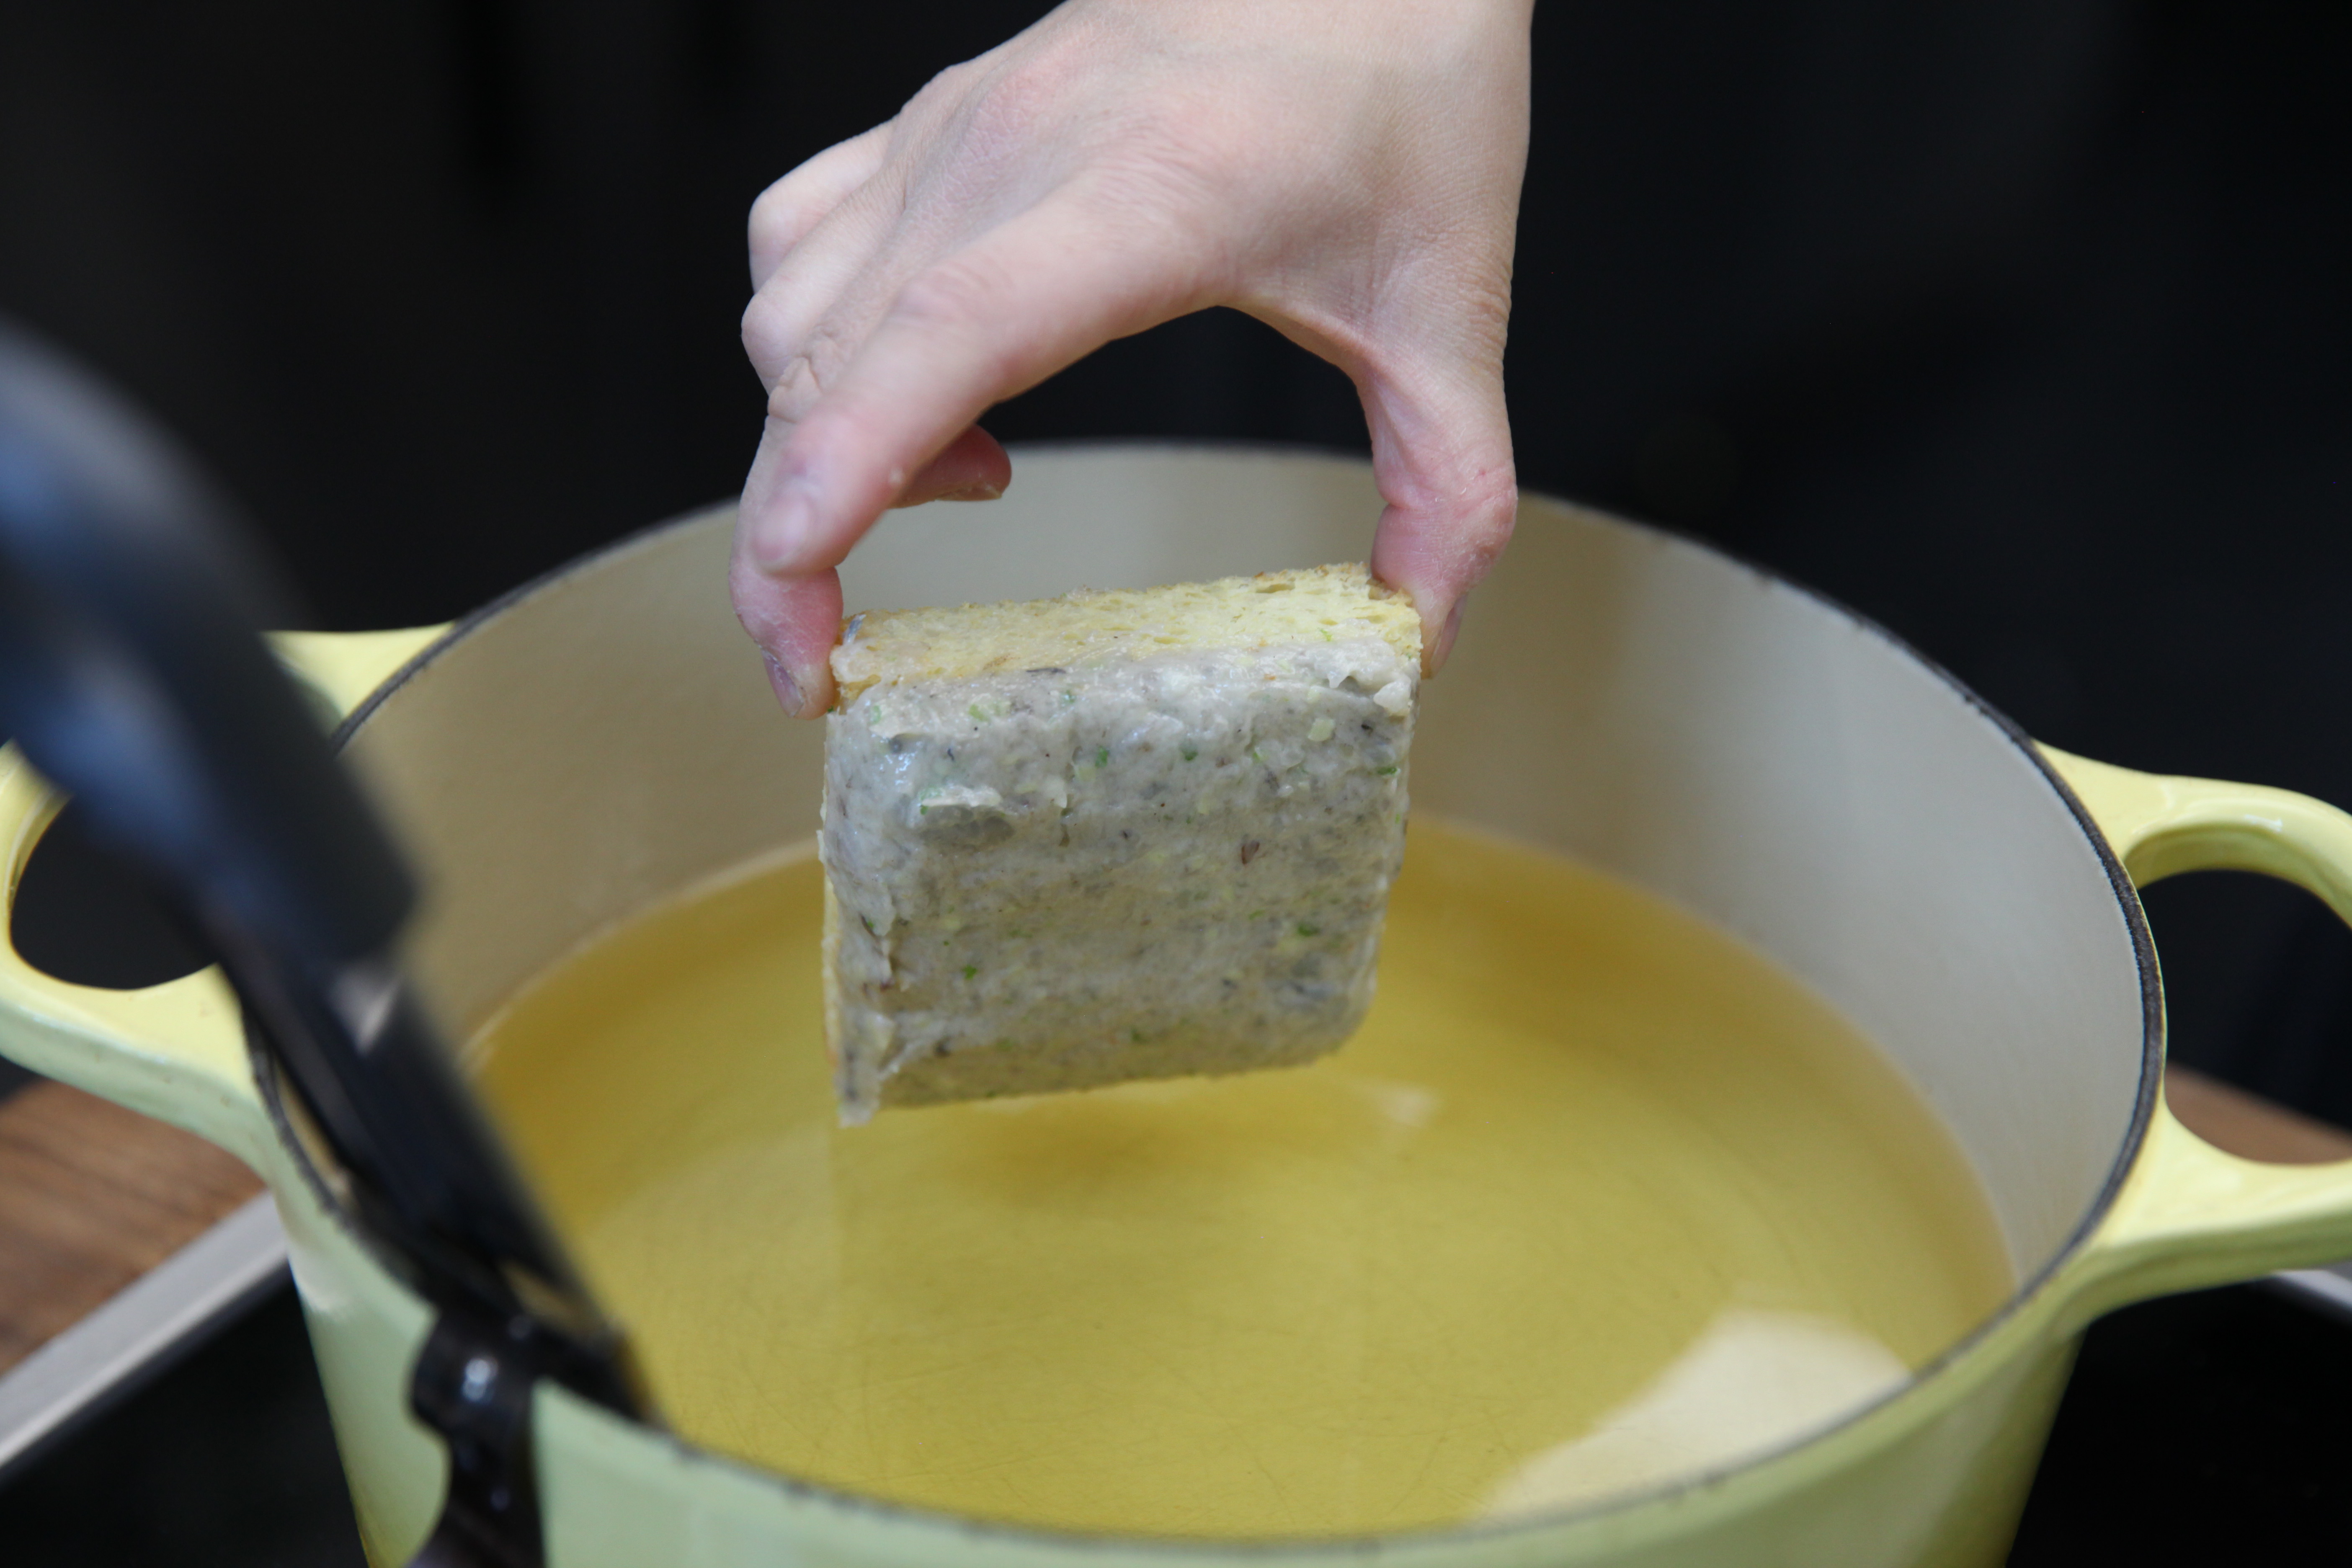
x=2021 y=325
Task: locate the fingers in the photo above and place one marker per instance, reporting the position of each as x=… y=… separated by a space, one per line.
x=795 y=330
x=1103 y=173
x=973 y=467
x=795 y=621
x=788 y=210
x=989 y=321
x=896 y=423
x=1442 y=453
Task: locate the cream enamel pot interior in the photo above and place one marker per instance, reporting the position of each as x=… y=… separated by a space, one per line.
x=1739 y=745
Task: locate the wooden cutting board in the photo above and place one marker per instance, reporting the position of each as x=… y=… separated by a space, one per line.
x=92 y=1197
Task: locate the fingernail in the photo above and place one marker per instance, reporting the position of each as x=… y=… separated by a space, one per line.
x=787 y=689
x=780 y=538
x=1436 y=656
x=977 y=490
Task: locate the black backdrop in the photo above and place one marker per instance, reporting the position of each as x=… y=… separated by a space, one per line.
x=2021 y=325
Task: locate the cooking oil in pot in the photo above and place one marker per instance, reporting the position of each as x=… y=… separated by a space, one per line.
x=1598 y=1198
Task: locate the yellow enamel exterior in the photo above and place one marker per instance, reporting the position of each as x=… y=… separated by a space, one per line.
x=2189 y=1214
x=1931 y=1477
x=174 y=1051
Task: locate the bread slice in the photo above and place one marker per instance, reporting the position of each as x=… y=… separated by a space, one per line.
x=1111 y=835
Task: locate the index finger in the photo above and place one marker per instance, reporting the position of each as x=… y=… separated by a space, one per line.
x=992 y=319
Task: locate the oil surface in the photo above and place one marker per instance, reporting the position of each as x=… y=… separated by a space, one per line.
x=1597 y=1197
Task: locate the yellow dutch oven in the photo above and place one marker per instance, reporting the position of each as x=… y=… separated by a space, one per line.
x=605 y=737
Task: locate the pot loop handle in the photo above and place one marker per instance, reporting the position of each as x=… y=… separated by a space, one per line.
x=174 y=1051
x=2189 y=1214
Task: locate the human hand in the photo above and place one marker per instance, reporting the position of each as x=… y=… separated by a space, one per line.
x=1347 y=171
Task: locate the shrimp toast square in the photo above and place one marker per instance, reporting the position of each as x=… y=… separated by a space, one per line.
x=1116 y=835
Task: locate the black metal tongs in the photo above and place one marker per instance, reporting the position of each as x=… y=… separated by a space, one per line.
x=133 y=675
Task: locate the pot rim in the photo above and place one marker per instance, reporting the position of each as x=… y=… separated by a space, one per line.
x=2028 y=1293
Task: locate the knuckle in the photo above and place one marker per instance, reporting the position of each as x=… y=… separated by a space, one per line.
x=1015 y=99
x=996 y=108
x=1462 y=506
x=775 y=221
x=825 y=352
x=762 y=323
x=797 y=391
x=767 y=336
x=939 y=96
x=802 y=375
x=1488 y=507
x=1499 y=522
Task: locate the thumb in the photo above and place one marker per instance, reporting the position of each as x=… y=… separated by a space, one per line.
x=1441 y=455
